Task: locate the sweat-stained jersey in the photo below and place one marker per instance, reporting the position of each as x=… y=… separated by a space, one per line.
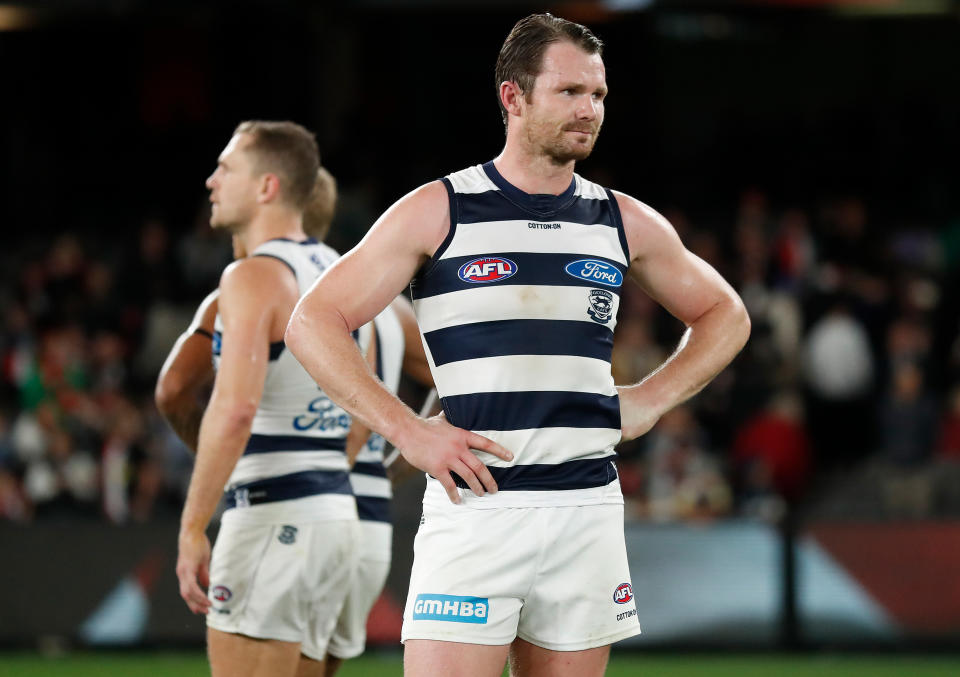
x=517 y=309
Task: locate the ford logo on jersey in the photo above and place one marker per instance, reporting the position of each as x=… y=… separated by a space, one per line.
x=595 y=271
x=623 y=593
x=451 y=608
x=487 y=269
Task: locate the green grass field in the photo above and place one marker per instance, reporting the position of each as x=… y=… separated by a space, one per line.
x=621 y=665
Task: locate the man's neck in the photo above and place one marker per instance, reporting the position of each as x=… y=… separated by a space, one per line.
x=533 y=173
x=271 y=225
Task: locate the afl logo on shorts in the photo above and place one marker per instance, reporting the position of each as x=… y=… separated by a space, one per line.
x=623 y=593
x=487 y=269
x=221 y=593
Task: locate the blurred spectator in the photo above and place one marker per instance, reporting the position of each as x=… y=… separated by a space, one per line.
x=771 y=455
x=683 y=481
x=839 y=368
x=907 y=417
x=948 y=442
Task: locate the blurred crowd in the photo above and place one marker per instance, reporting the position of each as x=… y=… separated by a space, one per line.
x=845 y=402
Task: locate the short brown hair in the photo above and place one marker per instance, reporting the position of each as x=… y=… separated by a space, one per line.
x=521 y=56
x=318 y=215
x=287 y=150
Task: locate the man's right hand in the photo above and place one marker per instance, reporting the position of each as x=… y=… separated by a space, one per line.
x=193 y=570
x=438 y=448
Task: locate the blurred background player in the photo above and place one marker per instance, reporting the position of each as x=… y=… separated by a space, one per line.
x=187 y=374
x=183 y=390
x=398 y=348
x=286 y=549
x=517 y=267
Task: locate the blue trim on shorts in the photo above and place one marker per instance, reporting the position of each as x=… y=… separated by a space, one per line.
x=288 y=487
x=373 y=509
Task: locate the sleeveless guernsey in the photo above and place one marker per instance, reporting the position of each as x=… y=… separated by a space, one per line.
x=368 y=476
x=297 y=445
x=517 y=309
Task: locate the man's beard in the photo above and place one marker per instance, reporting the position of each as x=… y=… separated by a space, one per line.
x=562 y=151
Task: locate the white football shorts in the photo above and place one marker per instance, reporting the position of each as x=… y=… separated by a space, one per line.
x=285 y=581
x=350 y=635
x=556 y=577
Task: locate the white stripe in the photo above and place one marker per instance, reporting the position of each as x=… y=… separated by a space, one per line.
x=589 y=189
x=582 y=240
x=550 y=445
x=514 y=373
x=273 y=464
x=507 y=302
x=471 y=180
x=368 y=455
x=366 y=485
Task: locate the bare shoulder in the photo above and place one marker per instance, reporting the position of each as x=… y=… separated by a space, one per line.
x=646 y=229
x=256 y=280
x=421 y=218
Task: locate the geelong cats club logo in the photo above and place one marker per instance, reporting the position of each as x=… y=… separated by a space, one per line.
x=601 y=305
x=487 y=269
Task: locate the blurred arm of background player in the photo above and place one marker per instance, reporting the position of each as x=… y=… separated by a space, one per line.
x=183 y=386
x=416 y=367
x=359 y=433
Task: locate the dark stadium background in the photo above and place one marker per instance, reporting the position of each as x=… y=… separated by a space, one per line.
x=726 y=116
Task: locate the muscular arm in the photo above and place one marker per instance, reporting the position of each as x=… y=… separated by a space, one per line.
x=693 y=292
x=186 y=374
x=253 y=292
x=350 y=294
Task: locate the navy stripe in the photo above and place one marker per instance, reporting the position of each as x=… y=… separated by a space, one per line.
x=494 y=206
x=520 y=337
x=370 y=469
x=203 y=332
x=264 y=444
x=276 y=348
x=531 y=269
x=373 y=509
x=533 y=409
x=376 y=335
x=539 y=203
x=288 y=487
x=583 y=474
x=282 y=260
x=618 y=221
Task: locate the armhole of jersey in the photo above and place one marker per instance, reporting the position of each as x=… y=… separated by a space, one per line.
x=615 y=210
x=283 y=261
x=203 y=332
x=432 y=262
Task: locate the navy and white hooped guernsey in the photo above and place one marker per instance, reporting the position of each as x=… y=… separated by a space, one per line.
x=368 y=476
x=517 y=309
x=297 y=445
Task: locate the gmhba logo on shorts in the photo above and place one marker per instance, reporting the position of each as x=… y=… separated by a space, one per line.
x=451 y=608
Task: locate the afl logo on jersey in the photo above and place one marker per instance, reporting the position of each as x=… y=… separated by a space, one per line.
x=623 y=593
x=595 y=271
x=487 y=269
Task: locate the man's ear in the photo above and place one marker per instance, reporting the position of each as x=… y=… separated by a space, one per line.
x=269 y=189
x=511 y=96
